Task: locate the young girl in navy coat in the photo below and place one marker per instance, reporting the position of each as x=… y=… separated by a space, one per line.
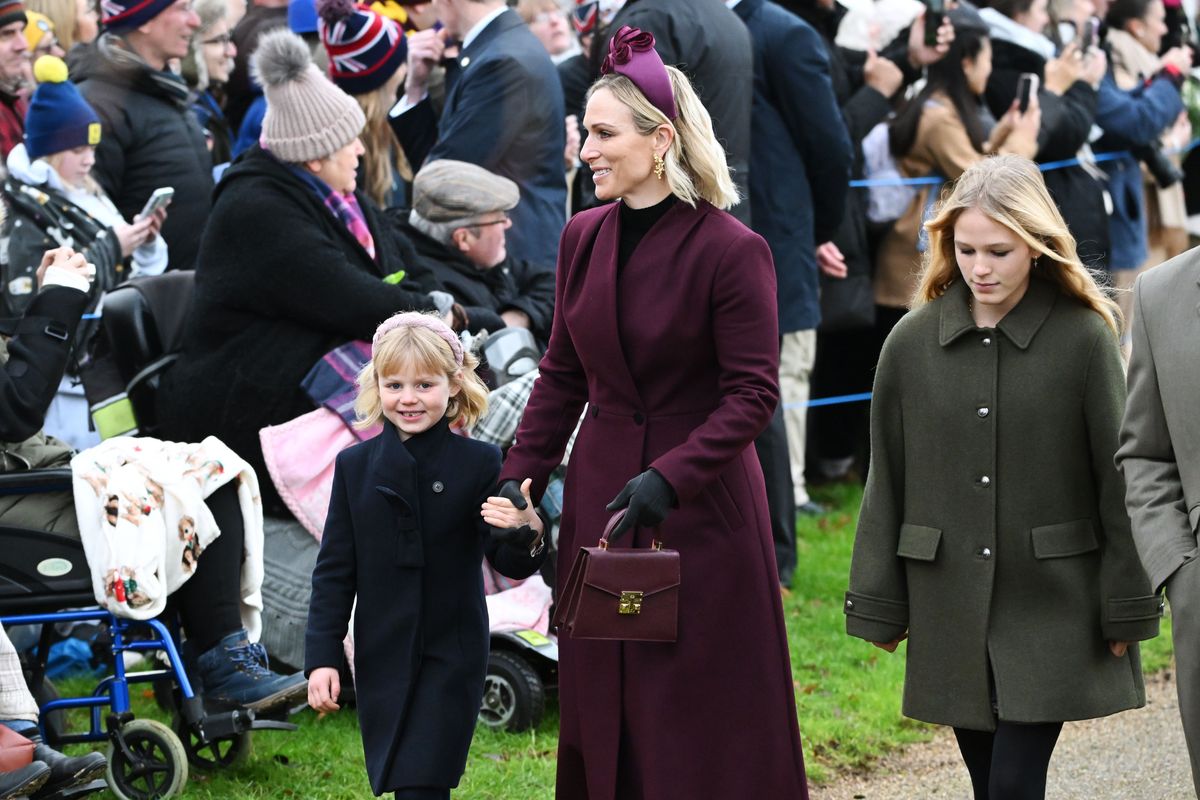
x=408 y=526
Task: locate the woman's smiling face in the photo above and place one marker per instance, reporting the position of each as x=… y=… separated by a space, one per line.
x=621 y=159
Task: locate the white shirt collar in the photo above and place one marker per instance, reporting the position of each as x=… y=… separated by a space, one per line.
x=479 y=26
x=731 y=3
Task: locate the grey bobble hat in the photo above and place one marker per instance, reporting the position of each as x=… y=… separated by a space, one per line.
x=450 y=191
x=307 y=117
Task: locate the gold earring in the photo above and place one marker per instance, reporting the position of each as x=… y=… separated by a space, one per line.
x=659 y=166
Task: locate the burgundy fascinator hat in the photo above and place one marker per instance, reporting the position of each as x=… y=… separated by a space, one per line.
x=631 y=53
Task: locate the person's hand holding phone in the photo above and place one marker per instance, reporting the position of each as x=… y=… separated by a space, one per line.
x=1179 y=58
x=1095 y=66
x=134 y=235
x=922 y=55
x=1062 y=72
x=881 y=74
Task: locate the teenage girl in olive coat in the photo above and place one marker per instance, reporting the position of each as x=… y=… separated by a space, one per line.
x=992 y=532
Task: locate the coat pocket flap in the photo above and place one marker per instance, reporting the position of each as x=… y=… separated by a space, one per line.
x=647 y=571
x=1064 y=539
x=918 y=542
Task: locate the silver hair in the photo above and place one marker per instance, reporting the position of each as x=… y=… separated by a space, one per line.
x=441 y=232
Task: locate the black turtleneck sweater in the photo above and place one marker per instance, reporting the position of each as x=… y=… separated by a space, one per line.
x=636 y=223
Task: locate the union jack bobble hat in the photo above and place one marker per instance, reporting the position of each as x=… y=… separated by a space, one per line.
x=365 y=47
x=125 y=15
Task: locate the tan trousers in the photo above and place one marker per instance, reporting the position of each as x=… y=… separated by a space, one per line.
x=796 y=359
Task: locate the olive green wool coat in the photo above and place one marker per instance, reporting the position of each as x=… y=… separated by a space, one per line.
x=993 y=529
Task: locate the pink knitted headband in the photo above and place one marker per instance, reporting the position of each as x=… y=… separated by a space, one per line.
x=414 y=319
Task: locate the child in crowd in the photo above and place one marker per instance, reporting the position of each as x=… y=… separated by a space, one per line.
x=993 y=533
x=405 y=535
x=61 y=134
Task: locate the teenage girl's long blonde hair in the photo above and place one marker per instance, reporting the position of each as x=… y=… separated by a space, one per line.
x=1010 y=191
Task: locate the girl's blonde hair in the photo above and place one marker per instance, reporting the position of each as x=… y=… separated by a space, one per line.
x=425 y=351
x=384 y=157
x=63 y=13
x=89 y=183
x=695 y=162
x=1010 y=191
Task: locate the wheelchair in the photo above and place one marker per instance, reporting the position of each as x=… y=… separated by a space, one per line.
x=43 y=573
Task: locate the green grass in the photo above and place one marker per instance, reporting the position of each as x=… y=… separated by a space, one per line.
x=847 y=693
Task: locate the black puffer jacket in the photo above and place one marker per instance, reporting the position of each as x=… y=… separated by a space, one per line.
x=150 y=139
x=485 y=293
x=279 y=282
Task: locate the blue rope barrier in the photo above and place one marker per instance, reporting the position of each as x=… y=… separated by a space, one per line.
x=1098 y=158
x=830 y=401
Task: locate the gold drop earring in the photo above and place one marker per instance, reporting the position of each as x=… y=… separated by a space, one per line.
x=659 y=166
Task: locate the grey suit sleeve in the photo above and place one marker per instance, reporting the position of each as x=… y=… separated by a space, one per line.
x=1153 y=489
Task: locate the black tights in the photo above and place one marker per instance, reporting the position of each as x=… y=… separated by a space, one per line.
x=209 y=603
x=1009 y=763
x=423 y=793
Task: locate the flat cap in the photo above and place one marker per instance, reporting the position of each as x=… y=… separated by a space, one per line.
x=447 y=191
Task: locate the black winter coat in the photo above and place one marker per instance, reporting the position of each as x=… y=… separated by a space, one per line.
x=269 y=305
x=405 y=536
x=1066 y=124
x=485 y=293
x=37 y=356
x=150 y=139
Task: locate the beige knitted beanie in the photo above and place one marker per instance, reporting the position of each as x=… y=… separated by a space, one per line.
x=307 y=118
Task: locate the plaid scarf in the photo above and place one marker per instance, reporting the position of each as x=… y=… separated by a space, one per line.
x=344 y=207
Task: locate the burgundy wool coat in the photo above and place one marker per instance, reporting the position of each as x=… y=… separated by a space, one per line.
x=677 y=359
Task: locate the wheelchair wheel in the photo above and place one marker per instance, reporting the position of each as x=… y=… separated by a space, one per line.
x=513 y=696
x=158 y=769
x=217 y=754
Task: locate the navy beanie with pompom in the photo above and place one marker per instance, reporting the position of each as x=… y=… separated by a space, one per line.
x=365 y=47
x=58 y=118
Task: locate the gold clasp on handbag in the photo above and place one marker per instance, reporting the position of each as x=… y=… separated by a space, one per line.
x=630 y=603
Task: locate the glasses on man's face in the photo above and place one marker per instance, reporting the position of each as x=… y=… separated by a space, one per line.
x=223 y=39
x=502 y=221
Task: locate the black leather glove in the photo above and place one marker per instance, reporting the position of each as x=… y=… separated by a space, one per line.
x=649 y=499
x=523 y=536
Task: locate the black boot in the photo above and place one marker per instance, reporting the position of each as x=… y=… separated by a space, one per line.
x=67 y=771
x=27 y=779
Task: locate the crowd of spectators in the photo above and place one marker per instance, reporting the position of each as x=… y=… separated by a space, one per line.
x=333 y=163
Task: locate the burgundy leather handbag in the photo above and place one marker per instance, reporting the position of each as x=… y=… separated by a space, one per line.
x=621 y=594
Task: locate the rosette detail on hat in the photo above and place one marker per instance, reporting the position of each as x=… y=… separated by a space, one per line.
x=631 y=53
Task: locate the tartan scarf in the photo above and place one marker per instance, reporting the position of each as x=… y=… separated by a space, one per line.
x=344 y=207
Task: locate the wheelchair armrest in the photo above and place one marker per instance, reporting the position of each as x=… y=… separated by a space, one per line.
x=35 y=481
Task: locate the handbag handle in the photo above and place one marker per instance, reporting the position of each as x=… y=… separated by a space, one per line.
x=613 y=521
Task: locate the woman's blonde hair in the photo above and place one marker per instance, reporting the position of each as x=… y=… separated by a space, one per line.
x=423 y=350
x=384 y=157
x=63 y=13
x=695 y=162
x=1010 y=191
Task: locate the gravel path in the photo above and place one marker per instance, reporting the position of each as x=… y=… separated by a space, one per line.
x=1137 y=754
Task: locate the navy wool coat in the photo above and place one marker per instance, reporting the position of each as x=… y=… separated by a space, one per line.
x=404 y=534
x=504 y=112
x=677 y=359
x=800 y=154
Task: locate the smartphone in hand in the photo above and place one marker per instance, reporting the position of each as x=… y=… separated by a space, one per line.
x=935 y=15
x=161 y=198
x=1027 y=87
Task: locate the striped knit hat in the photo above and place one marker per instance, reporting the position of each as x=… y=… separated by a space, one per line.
x=365 y=48
x=125 y=15
x=11 y=11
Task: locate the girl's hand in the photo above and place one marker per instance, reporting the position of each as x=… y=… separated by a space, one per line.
x=133 y=236
x=1118 y=648
x=324 y=688
x=889 y=646
x=500 y=512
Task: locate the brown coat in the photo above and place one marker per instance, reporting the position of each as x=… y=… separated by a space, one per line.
x=678 y=361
